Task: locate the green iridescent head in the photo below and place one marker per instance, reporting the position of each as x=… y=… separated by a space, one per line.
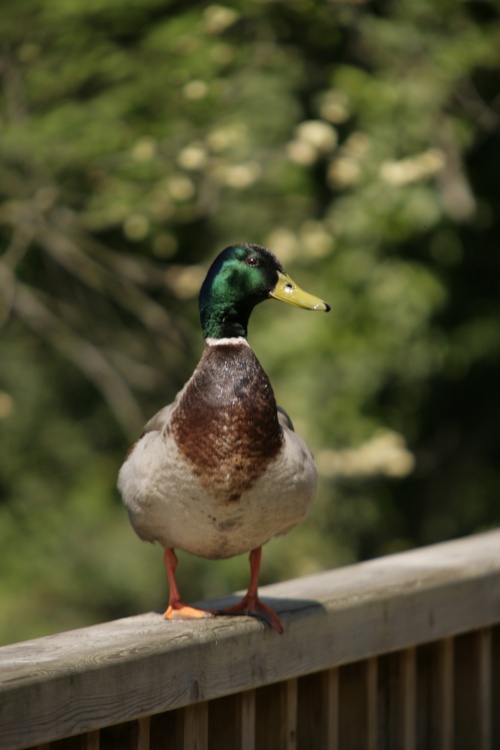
x=238 y=279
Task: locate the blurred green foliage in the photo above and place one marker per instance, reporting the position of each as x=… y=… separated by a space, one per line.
x=359 y=141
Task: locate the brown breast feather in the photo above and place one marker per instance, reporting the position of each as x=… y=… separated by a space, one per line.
x=226 y=424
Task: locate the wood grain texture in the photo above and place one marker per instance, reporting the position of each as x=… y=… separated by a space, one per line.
x=485 y=687
x=330 y=709
x=92 y=741
x=353 y=706
x=117 y=672
x=445 y=704
x=409 y=689
x=231 y=722
x=276 y=716
x=247 y=708
x=390 y=703
x=473 y=691
x=167 y=731
x=495 y=686
x=435 y=695
x=372 y=703
x=196 y=727
x=143 y=733
x=318 y=710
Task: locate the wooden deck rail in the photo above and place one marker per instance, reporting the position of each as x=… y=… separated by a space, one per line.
x=399 y=652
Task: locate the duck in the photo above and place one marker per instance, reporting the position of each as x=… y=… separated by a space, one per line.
x=220 y=471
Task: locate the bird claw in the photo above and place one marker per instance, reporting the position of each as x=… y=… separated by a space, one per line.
x=253 y=607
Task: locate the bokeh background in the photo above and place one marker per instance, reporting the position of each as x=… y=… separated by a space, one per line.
x=357 y=140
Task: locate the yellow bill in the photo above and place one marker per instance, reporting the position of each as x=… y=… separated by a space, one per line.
x=287 y=290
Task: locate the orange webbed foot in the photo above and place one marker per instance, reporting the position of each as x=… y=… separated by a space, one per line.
x=180 y=611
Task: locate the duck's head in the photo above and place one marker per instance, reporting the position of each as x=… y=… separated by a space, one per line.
x=238 y=279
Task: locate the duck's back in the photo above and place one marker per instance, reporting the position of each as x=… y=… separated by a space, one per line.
x=221 y=475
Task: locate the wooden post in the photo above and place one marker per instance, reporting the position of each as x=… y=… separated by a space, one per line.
x=196 y=727
x=473 y=690
x=276 y=716
x=372 y=703
x=409 y=689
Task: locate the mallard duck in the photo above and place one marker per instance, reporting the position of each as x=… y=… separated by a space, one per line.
x=220 y=471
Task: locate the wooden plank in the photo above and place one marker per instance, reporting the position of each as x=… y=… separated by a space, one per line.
x=76 y=682
x=290 y=717
x=446 y=685
x=435 y=695
x=330 y=707
x=409 y=695
x=78 y=742
x=390 y=704
x=495 y=686
x=231 y=722
x=318 y=710
x=120 y=737
x=473 y=691
x=372 y=703
x=397 y=700
x=485 y=687
x=247 y=708
x=92 y=741
x=167 y=731
x=196 y=727
x=276 y=716
x=143 y=733
x=353 y=706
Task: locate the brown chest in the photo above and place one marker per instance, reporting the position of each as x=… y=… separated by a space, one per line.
x=226 y=425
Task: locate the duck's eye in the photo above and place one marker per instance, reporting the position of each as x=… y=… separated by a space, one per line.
x=252 y=261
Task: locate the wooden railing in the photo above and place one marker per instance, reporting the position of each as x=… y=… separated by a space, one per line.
x=400 y=652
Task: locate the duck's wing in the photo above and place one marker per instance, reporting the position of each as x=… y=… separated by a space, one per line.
x=155 y=424
x=160 y=419
x=284 y=419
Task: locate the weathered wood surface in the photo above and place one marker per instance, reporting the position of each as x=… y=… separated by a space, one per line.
x=120 y=671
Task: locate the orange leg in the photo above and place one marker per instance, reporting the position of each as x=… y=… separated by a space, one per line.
x=177 y=610
x=251 y=604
